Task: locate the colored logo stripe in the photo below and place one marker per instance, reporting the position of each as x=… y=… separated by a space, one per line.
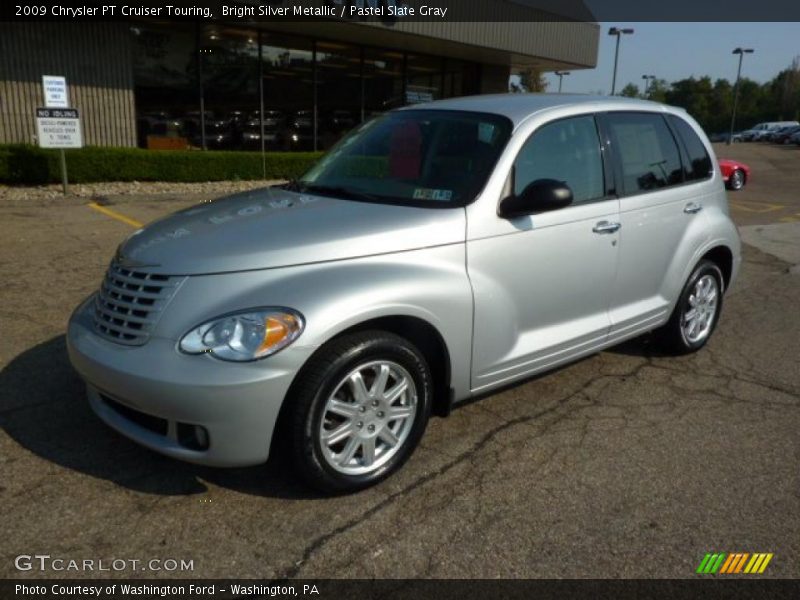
x=711 y=563
x=733 y=563
x=758 y=563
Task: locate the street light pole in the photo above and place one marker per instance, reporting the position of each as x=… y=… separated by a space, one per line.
x=617 y=32
x=560 y=75
x=741 y=52
x=647 y=80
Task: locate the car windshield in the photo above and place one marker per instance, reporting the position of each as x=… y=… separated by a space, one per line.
x=433 y=158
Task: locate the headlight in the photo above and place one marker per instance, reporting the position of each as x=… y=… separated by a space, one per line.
x=245 y=336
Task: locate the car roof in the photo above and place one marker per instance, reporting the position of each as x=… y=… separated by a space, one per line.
x=518 y=107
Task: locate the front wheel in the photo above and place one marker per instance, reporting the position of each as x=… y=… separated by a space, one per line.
x=359 y=411
x=696 y=314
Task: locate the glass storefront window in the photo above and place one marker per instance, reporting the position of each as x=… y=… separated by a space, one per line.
x=460 y=79
x=165 y=76
x=288 y=86
x=338 y=91
x=423 y=79
x=229 y=69
x=202 y=86
x=383 y=81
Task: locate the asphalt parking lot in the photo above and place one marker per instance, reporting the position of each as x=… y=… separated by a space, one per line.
x=626 y=464
x=773 y=193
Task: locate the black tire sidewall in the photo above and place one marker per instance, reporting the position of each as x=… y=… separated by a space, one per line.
x=704 y=268
x=366 y=349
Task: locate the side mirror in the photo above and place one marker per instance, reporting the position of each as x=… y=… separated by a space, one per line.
x=539 y=196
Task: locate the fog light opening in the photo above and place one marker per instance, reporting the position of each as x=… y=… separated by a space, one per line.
x=194 y=437
x=201 y=435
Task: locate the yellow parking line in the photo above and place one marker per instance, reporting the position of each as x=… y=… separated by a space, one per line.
x=115 y=215
x=789 y=219
x=755 y=207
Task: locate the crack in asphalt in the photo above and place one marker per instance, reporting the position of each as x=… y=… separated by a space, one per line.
x=584 y=391
x=322 y=540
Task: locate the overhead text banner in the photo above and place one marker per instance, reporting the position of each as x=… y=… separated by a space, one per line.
x=393 y=11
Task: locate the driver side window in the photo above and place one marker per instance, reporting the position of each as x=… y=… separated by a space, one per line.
x=567 y=150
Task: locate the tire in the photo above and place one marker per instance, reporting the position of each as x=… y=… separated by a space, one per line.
x=677 y=335
x=330 y=402
x=737 y=180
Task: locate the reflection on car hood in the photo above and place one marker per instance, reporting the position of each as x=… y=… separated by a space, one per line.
x=271 y=227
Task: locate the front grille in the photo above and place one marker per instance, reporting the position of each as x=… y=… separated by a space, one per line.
x=130 y=302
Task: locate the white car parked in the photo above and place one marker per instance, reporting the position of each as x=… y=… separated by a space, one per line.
x=762 y=130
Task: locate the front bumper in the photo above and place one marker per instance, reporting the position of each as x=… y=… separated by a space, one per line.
x=236 y=403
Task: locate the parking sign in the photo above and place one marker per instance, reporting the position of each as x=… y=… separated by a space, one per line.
x=58 y=128
x=55 y=91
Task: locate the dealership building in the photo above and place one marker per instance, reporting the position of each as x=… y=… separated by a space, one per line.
x=243 y=84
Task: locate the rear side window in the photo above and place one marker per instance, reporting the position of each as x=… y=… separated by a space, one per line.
x=647 y=152
x=567 y=150
x=699 y=166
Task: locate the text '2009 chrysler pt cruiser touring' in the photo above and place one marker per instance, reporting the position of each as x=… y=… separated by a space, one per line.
x=435 y=253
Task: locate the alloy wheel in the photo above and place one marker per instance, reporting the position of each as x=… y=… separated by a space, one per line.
x=737 y=180
x=368 y=417
x=701 y=309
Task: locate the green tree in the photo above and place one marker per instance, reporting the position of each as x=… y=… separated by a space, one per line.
x=712 y=103
x=720 y=106
x=783 y=92
x=694 y=95
x=657 y=90
x=530 y=80
x=630 y=91
x=752 y=107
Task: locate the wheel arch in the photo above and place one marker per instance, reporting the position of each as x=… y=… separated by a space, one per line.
x=420 y=332
x=722 y=256
x=428 y=340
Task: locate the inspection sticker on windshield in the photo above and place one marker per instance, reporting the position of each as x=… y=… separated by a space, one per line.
x=427 y=194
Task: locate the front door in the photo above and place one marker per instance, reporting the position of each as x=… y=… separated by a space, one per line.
x=542 y=283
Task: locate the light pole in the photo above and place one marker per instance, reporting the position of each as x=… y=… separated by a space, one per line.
x=560 y=75
x=741 y=52
x=647 y=80
x=617 y=32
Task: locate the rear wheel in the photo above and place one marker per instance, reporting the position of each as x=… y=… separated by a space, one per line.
x=360 y=410
x=696 y=314
x=737 y=180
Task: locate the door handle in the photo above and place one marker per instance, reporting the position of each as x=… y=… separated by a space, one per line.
x=692 y=208
x=606 y=227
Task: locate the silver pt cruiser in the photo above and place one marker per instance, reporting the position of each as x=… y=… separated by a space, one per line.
x=437 y=252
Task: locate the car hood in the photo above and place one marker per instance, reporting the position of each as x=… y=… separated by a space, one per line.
x=272 y=227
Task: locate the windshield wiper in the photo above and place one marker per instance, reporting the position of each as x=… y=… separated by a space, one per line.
x=336 y=191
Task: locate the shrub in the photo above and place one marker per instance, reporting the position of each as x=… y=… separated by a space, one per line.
x=21 y=164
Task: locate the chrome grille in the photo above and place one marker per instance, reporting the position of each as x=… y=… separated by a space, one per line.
x=130 y=302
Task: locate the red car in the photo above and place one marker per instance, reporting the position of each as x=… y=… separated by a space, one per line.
x=734 y=173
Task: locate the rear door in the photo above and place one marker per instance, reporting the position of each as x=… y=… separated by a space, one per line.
x=658 y=201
